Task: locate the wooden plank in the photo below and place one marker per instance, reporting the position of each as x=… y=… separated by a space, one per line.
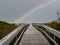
x=33 y=37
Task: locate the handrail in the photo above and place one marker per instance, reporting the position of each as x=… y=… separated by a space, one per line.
x=51 y=30
x=20 y=37
x=46 y=35
x=44 y=29
x=7 y=39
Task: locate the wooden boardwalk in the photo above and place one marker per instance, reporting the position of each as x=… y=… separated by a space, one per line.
x=33 y=37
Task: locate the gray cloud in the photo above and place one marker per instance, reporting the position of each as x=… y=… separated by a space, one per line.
x=10 y=10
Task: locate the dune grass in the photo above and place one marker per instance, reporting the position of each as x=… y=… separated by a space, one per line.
x=6 y=28
x=54 y=25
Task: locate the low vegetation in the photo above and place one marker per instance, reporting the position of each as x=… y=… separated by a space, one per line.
x=6 y=28
x=54 y=25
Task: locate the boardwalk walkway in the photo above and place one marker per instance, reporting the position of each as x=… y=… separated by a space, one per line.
x=33 y=37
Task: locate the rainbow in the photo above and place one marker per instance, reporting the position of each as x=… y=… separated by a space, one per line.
x=33 y=10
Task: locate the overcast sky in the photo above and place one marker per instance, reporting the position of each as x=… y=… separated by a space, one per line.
x=11 y=10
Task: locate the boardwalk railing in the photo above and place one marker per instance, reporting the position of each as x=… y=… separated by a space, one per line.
x=9 y=38
x=51 y=33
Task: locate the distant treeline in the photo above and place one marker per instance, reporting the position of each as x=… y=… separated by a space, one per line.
x=54 y=25
x=6 y=28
